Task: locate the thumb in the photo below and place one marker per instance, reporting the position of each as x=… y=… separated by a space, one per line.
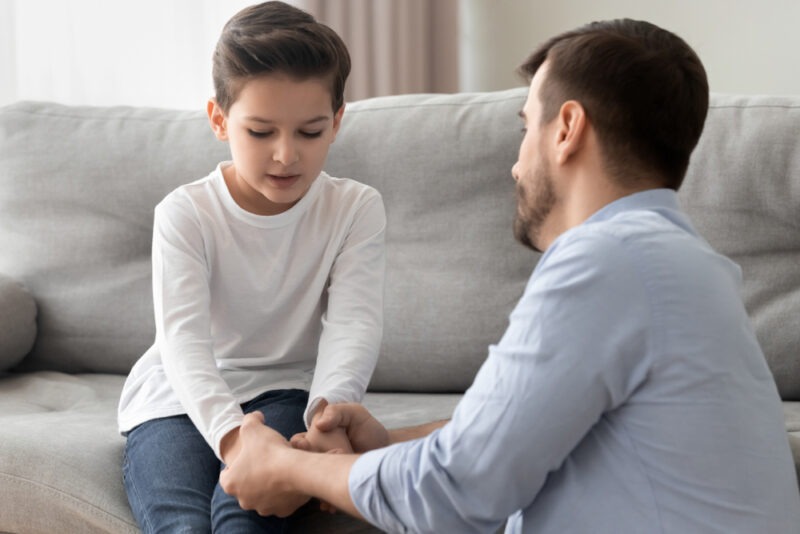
x=300 y=441
x=253 y=419
x=330 y=418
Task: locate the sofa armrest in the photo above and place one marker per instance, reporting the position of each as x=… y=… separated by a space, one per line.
x=17 y=322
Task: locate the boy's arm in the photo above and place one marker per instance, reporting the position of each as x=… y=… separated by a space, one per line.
x=181 y=299
x=352 y=325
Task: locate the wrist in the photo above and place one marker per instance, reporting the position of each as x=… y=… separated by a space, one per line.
x=228 y=446
x=290 y=475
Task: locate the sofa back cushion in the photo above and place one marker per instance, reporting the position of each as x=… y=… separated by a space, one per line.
x=78 y=186
x=454 y=271
x=77 y=190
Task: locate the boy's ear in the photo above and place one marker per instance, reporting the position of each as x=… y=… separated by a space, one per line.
x=337 y=120
x=217 y=120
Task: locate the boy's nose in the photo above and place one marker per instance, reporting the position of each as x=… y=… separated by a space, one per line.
x=285 y=153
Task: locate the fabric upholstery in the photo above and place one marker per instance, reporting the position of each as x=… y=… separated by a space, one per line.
x=17 y=322
x=77 y=191
x=454 y=271
x=61 y=455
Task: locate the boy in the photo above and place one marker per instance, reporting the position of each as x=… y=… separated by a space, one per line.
x=259 y=269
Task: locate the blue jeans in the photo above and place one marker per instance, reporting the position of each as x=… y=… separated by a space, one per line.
x=171 y=474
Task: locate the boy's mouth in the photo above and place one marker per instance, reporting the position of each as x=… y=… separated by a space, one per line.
x=283 y=180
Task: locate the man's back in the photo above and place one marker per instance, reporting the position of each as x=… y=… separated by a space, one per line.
x=691 y=437
x=627 y=395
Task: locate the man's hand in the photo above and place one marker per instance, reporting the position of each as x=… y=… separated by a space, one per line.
x=256 y=476
x=363 y=431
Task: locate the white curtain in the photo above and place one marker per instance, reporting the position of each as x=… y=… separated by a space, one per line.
x=158 y=52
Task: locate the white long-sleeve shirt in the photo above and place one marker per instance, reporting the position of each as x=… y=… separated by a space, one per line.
x=247 y=303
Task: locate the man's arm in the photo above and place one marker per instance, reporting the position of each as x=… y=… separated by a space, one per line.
x=414 y=432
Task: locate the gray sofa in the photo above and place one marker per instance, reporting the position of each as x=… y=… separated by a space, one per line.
x=77 y=190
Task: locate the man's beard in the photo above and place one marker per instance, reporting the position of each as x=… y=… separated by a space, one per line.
x=534 y=207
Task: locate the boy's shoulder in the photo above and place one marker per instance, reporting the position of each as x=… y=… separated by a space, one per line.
x=192 y=192
x=347 y=188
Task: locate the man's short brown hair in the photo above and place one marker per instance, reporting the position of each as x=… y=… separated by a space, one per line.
x=644 y=90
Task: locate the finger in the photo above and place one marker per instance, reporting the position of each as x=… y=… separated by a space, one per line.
x=300 y=442
x=253 y=419
x=327 y=507
x=224 y=481
x=332 y=416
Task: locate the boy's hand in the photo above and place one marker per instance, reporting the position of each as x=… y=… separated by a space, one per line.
x=316 y=440
x=362 y=430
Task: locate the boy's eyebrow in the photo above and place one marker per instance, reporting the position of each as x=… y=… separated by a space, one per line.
x=319 y=118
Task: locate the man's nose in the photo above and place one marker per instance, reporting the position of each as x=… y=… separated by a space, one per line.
x=515 y=172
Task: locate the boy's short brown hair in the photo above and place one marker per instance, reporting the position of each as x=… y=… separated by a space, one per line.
x=276 y=38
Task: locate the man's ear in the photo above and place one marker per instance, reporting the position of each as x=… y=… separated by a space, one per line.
x=217 y=120
x=570 y=131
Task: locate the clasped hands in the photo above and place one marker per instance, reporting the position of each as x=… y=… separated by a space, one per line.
x=269 y=473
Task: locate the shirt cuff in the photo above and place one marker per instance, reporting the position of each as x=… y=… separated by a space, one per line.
x=332 y=397
x=313 y=404
x=364 y=486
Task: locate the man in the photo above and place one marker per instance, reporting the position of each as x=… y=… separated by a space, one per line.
x=629 y=393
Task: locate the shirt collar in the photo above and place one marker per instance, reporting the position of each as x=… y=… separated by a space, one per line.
x=651 y=199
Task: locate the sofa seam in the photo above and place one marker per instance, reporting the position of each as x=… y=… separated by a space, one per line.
x=433 y=104
x=68 y=115
x=754 y=106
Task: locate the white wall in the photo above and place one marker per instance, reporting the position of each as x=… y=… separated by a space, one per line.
x=747 y=46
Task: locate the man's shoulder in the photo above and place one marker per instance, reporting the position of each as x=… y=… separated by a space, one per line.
x=626 y=234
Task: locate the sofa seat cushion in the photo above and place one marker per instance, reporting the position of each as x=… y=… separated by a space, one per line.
x=61 y=455
x=791 y=411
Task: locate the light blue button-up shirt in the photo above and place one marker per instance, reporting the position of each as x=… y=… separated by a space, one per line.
x=628 y=395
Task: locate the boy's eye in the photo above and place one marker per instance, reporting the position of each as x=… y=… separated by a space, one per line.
x=258 y=135
x=311 y=135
